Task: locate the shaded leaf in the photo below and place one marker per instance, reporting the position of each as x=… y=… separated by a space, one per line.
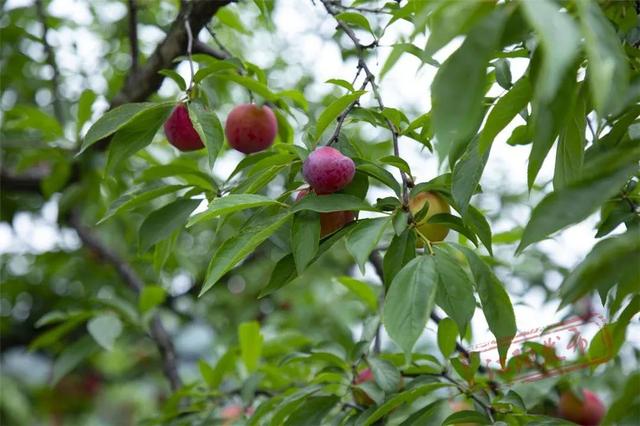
x=457 y=92
x=410 y=300
x=161 y=223
x=105 y=329
x=235 y=249
x=364 y=238
x=333 y=110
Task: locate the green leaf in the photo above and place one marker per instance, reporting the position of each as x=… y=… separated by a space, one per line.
x=297 y=97
x=136 y=134
x=362 y=290
x=606 y=264
x=235 y=249
x=113 y=120
x=380 y=174
x=105 y=329
x=476 y=221
x=285 y=270
x=230 y=204
x=466 y=175
x=570 y=150
x=451 y=19
x=601 y=179
x=447 y=335
x=150 y=297
x=85 y=102
x=229 y=18
x=250 y=344
x=396 y=162
x=71 y=357
x=355 y=19
x=161 y=223
x=54 y=335
x=305 y=238
x=504 y=111
x=213 y=68
x=409 y=302
x=623 y=404
x=386 y=374
x=503 y=73
x=330 y=203
x=457 y=92
x=467 y=416
x=548 y=117
x=342 y=83
x=334 y=109
x=402 y=398
x=312 y=411
x=424 y=416
x=560 y=41
x=191 y=175
x=401 y=250
x=495 y=302
x=138 y=196
x=250 y=84
x=364 y=238
x=290 y=403
x=24 y=117
x=455 y=223
x=608 y=69
x=401 y=48
x=177 y=78
x=455 y=290
x=209 y=129
x=214 y=376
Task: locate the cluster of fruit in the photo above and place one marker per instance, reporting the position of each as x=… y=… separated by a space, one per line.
x=251 y=128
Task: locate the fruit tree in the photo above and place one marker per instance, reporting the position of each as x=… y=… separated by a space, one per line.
x=319 y=212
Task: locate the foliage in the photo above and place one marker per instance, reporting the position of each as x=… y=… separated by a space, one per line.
x=154 y=247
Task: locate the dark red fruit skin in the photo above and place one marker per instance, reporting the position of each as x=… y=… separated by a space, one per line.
x=332 y=221
x=327 y=170
x=588 y=412
x=180 y=132
x=250 y=128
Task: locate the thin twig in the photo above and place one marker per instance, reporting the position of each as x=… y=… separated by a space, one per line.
x=229 y=54
x=133 y=33
x=187 y=25
x=376 y=260
x=132 y=279
x=487 y=408
x=359 y=8
x=51 y=60
x=370 y=79
x=217 y=41
x=141 y=84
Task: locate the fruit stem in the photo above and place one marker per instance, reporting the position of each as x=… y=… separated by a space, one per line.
x=426 y=241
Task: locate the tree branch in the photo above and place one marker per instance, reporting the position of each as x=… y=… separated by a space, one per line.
x=140 y=84
x=134 y=282
x=370 y=79
x=202 y=47
x=51 y=60
x=133 y=33
x=23 y=183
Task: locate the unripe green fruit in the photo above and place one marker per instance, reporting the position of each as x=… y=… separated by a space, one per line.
x=433 y=232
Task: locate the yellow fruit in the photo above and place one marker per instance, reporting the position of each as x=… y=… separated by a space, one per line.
x=437 y=204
